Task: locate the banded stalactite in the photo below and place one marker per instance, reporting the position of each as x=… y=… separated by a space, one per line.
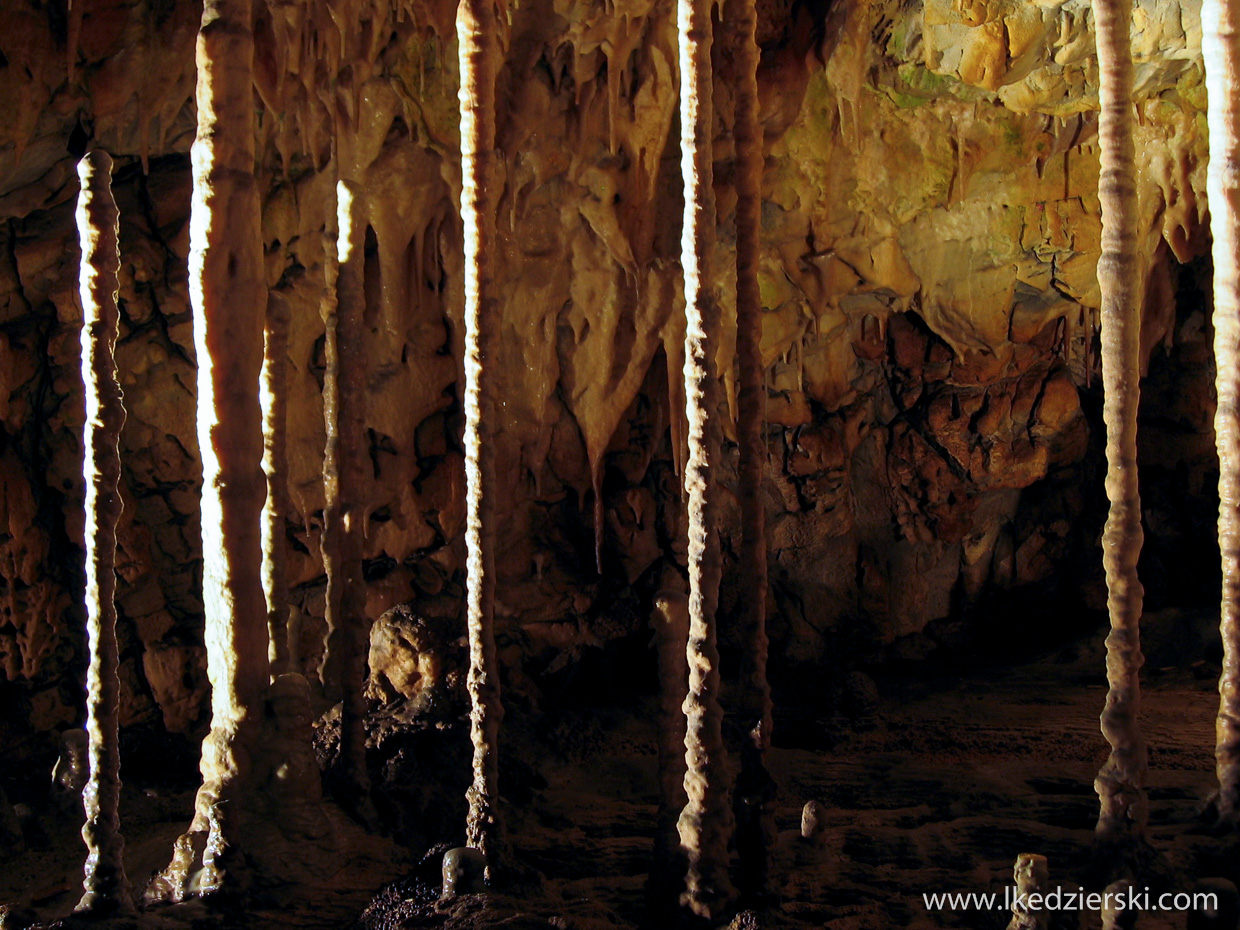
x=1120 y=782
x=476 y=36
x=228 y=295
x=1220 y=46
x=755 y=788
x=274 y=402
x=346 y=505
x=105 y=884
x=706 y=823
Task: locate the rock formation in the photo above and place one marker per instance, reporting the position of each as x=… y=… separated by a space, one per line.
x=229 y=295
x=345 y=513
x=105 y=883
x=273 y=398
x=1121 y=782
x=706 y=823
x=1220 y=46
x=476 y=33
x=756 y=820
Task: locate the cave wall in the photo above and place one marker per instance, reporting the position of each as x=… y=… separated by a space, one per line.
x=930 y=232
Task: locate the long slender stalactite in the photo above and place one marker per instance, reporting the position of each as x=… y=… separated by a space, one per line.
x=706 y=823
x=754 y=790
x=228 y=294
x=1120 y=782
x=1220 y=47
x=274 y=400
x=349 y=512
x=476 y=35
x=105 y=883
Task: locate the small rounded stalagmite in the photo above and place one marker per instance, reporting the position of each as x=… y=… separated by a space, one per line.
x=1031 y=877
x=464 y=872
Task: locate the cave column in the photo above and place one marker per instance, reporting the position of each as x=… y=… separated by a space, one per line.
x=1220 y=46
x=706 y=823
x=755 y=788
x=345 y=484
x=476 y=34
x=275 y=465
x=105 y=883
x=228 y=294
x=1120 y=782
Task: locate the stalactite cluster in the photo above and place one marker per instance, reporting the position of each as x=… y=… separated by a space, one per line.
x=1121 y=782
x=241 y=333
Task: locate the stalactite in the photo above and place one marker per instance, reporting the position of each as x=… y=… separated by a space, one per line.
x=1220 y=45
x=476 y=35
x=273 y=399
x=346 y=517
x=1120 y=783
x=105 y=884
x=754 y=790
x=228 y=294
x=706 y=823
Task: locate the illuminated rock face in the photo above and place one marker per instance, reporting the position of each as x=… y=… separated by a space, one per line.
x=929 y=235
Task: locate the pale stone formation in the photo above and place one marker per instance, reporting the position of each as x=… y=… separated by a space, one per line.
x=706 y=823
x=228 y=293
x=273 y=398
x=1029 y=876
x=1221 y=54
x=1120 y=783
x=814 y=822
x=476 y=30
x=105 y=883
x=464 y=872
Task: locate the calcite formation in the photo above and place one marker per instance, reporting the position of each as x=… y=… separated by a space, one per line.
x=106 y=885
x=1221 y=53
x=930 y=229
x=1121 y=781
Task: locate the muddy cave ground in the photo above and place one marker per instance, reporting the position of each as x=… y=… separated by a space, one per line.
x=933 y=776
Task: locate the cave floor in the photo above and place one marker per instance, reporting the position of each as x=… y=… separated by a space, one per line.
x=953 y=776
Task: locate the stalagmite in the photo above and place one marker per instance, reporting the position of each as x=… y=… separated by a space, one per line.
x=755 y=810
x=272 y=397
x=476 y=35
x=706 y=823
x=1031 y=878
x=1220 y=44
x=228 y=293
x=1120 y=783
x=346 y=506
x=105 y=884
